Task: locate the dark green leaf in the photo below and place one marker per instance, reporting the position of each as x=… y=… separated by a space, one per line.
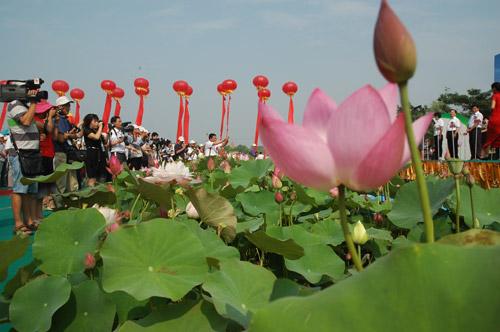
x=10 y=251
x=287 y=248
x=249 y=171
x=56 y=175
x=256 y=203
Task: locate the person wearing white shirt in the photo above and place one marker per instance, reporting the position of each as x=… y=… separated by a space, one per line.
x=452 y=134
x=474 y=131
x=117 y=139
x=438 y=125
x=213 y=145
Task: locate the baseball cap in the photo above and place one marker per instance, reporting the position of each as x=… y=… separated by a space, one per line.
x=43 y=107
x=192 y=142
x=63 y=100
x=181 y=138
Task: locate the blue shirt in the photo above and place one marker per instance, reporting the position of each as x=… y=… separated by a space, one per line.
x=63 y=127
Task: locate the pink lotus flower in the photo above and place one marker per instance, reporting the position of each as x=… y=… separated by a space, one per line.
x=89 y=261
x=360 y=144
x=112 y=228
x=115 y=166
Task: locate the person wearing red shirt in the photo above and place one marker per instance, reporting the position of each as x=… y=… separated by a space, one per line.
x=493 y=133
x=45 y=119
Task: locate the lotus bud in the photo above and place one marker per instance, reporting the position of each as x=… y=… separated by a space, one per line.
x=456 y=166
x=359 y=235
x=476 y=223
x=89 y=261
x=348 y=256
x=191 y=211
x=210 y=164
x=378 y=218
x=293 y=196
x=112 y=228
x=395 y=51
x=276 y=182
x=334 y=192
x=226 y=166
x=278 y=197
x=115 y=166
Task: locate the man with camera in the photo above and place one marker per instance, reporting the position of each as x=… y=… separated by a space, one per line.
x=117 y=139
x=26 y=140
x=64 y=144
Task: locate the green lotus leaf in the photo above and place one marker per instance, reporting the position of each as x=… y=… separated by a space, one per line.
x=286 y=287
x=256 y=203
x=56 y=175
x=248 y=172
x=287 y=248
x=239 y=288
x=65 y=237
x=379 y=234
x=214 y=247
x=318 y=259
x=329 y=230
x=473 y=237
x=10 y=251
x=406 y=212
x=87 y=310
x=128 y=307
x=155 y=258
x=159 y=194
x=185 y=316
x=34 y=304
x=419 y=287
x=215 y=211
x=23 y=275
x=249 y=226
x=486 y=205
x=99 y=194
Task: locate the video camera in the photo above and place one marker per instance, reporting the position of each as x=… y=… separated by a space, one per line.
x=18 y=90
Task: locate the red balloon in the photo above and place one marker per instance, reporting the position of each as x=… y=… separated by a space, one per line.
x=77 y=94
x=220 y=89
x=290 y=88
x=118 y=93
x=260 y=81
x=189 y=91
x=141 y=83
x=60 y=87
x=180 y=87
x=229 y=85
x=142 y=91
x=3 y=82
x=264 y=93
x=108 y=85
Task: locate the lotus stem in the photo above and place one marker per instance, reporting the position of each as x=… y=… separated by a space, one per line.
x=472 y=207
x=417 y=163
x=346 y=230
x=457 y=208
x=133 y=206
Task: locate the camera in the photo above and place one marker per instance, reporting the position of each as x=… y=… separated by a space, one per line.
x=18 y=90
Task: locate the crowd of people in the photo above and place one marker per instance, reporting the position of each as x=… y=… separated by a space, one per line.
x=43 y=136
x=483 y=133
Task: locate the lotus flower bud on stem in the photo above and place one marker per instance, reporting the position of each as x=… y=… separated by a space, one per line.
x=359 y=234
x=89 y=261
x=334 y=192
x=395 y=51
x=378 y=218
x=278 y=197
x=293 y=196
x=191 y=211
x=277 y=184
x=210 y=164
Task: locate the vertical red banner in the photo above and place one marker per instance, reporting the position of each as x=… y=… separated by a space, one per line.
x=107 y=112
x=223 y=115
x=256 y=137
x=2 y=117
x=118 y=108
x=290 y=111
x=140 y=111
x=77 y=113
x=227 y=115
x=186 y=120
x=180 y=117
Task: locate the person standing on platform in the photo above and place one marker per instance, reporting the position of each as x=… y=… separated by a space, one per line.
x=452 y=134
x=474 y=131
x=438 y=125
x=493 y=133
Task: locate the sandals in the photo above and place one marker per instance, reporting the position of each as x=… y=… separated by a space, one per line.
x=23 y=230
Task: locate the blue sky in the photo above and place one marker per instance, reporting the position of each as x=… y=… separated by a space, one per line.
x=316 y=43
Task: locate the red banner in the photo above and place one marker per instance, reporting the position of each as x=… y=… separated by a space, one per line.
x=77 y=113
x=179 y=118
x=290 y=111
x=256 y=138
x=227 y=115
x=223 y=115
x=118 y=107
x=2 y=117
x=107 y=112
x=186 y=121
x=140 y=112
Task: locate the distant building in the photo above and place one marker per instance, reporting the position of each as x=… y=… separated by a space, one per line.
x=497 y=68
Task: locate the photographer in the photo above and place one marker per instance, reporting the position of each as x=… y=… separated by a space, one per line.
x=25 y=138
x=117 y=139
x=63 y=144
x=95 y=163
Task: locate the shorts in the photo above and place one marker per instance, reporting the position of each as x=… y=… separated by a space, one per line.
x=18 y=187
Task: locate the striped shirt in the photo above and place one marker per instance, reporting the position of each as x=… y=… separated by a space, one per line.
x=25 y=137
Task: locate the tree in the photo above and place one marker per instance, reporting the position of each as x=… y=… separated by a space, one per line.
x=464 y=102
